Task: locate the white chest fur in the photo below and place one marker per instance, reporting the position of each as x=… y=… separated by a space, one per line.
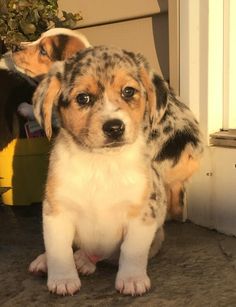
x=97 y=189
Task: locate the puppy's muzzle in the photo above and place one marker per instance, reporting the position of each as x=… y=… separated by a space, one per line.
x=114 y=129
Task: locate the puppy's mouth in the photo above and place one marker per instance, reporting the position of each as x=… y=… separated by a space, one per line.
x=114 y=144
x=85 y=141
x=106 y=145
x=25 y=71
x=22 y=66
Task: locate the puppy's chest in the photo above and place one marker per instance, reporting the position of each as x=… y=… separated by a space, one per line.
x=99 y=183
x=99 y=192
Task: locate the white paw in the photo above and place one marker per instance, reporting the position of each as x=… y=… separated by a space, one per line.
x=132 y=285
x=39 y=265
x=83 y=263
x=67 y=286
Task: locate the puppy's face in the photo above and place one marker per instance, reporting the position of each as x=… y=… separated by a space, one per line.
x=105 y=106
x=101 y=94
x=36 y=58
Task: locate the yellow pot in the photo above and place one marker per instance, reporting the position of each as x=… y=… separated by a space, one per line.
x=23 y=168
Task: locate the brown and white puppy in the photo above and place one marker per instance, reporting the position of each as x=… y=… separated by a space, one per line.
x=123 y=133
x=36 y=58
x=20 y=70
x=102 y=193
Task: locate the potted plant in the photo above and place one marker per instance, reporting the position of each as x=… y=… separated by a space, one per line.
x=25 y=20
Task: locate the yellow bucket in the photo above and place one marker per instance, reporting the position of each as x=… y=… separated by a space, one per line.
x=23 y=168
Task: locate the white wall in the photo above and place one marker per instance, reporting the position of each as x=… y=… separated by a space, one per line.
x=148 y=36
x=201 y=60
x=96 y=12
x=229 y=64
x=136 y=25
x=212 y=192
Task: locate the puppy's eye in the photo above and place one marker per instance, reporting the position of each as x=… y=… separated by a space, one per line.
x=128 y=92
x=42 y=51
x=84 y=99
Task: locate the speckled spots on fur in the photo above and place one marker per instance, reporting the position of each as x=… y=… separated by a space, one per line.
x=153 y=196
x=174 y=146
x=161 y=91
x=166 y=136
x=150 y=214
x=154 y=134
x=168 y=129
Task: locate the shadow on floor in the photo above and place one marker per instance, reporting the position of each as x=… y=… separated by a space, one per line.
x=196 y=267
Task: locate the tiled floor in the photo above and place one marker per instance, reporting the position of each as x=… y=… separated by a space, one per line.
x=196 y=267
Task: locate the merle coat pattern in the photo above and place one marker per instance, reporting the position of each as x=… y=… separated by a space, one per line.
x=124 y=139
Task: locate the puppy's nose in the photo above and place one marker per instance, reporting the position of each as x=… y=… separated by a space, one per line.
x=114 y=128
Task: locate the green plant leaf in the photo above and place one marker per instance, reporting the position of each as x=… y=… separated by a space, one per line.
x=12 y=23
x=27 y=28
x=3 y=29
x=22 y=20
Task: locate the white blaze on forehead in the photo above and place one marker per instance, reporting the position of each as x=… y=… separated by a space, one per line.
x=60 y=31
x=113 y=111
x=109 y=106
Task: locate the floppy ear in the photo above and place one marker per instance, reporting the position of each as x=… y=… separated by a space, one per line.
x=77 y=43
x=162 y=92
x=156 y=89
x=46 y=96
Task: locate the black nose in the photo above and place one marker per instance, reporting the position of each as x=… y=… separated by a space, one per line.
x=114 y=128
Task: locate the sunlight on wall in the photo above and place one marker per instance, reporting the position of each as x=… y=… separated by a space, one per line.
x=215 y=66
x=229 y=64
x=208 y=62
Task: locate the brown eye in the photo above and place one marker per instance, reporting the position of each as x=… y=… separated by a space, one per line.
x=42 y=51
x=84 y=99
x=128 y=92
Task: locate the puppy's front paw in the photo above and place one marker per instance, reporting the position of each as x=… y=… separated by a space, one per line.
x=67 y=286
x=132 y=285
x=39 y=265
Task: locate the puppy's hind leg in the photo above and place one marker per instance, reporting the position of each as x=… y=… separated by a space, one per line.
x=39 y=265
x=177 y=201
x=157 y=243
x=83 y=264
